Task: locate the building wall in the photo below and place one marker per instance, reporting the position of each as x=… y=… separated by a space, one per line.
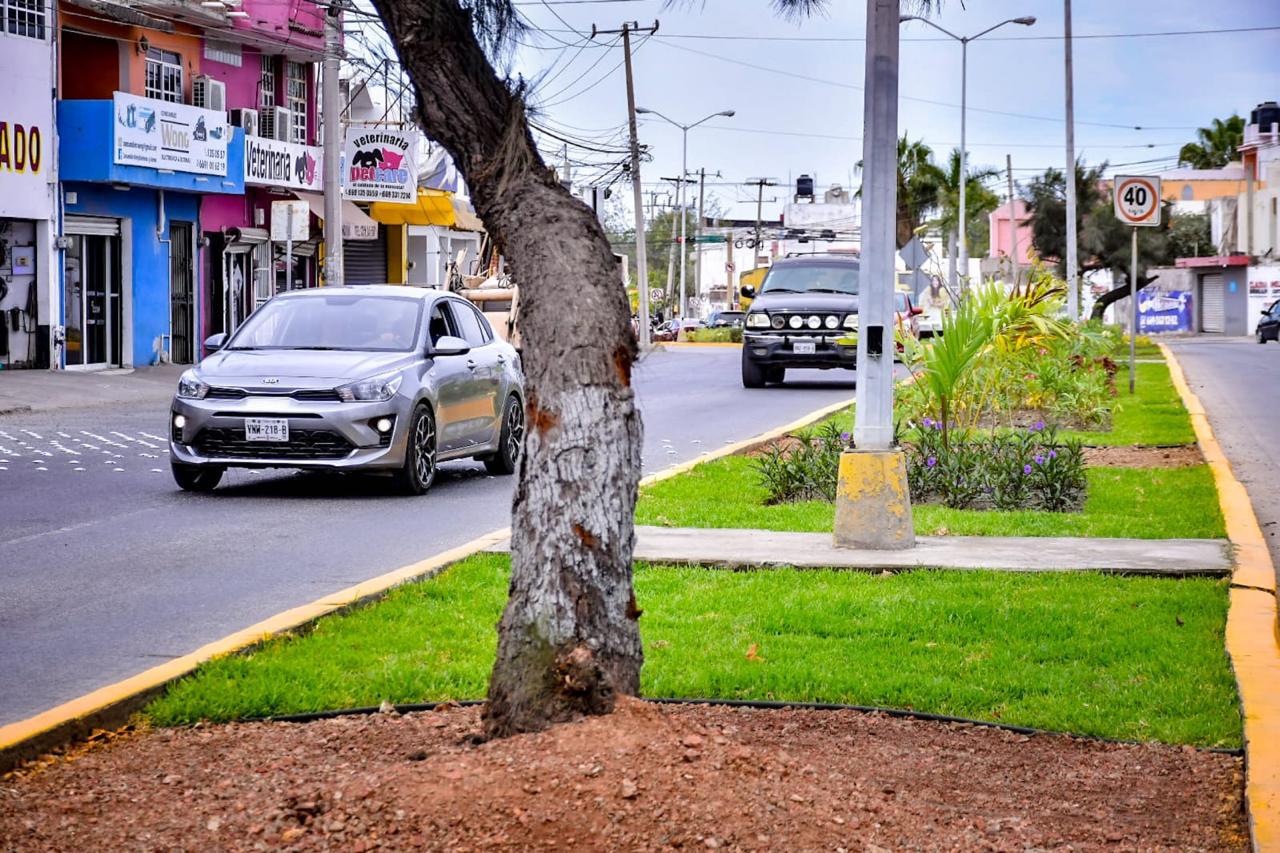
x=999 y=221
x=298 y=23
x=242 y=82
x=98 y=61
x=147 y=295
x=1266 y=214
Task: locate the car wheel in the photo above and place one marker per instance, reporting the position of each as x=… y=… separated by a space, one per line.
x=419 y=469
x=195 y=478
x=510 y=442
x=775 y=374
x=753 y=375
x=1262 y=338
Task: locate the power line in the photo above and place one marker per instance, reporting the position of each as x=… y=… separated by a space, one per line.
x=1075 y=36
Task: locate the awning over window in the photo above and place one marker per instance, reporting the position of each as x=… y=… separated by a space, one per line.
x=434 y=207
x=463 y=218
x=356 y=224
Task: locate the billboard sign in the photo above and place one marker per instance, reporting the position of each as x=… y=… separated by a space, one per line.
x=163 y=135
x=1163 y=311
x=272 y=163
x=27 y=163
x=380 y=164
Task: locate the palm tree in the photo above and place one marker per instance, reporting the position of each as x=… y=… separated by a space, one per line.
x=1217 y=144
x=978 y=200
x=919 y=182
x=569 y=640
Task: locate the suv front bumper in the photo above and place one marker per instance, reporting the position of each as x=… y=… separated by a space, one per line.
x=780 y=351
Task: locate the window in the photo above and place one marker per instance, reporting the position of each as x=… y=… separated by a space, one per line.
x=228 y=53
x=164 y=75
x=296 y=81
x=23 y=18
x=267 y=85
x=439 y=327
x=471 y=325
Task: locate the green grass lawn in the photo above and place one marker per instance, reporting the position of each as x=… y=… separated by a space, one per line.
x=1153 y=415
x=1085 y=653
x=1142 y=503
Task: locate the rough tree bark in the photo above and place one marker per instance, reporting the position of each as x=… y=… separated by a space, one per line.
x=1115 y=294
x=569 y=639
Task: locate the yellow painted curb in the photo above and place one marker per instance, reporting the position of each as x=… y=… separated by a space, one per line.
x=78 y=718
x=1253 y=633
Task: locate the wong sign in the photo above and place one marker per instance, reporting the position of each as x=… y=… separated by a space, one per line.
x=1164 y=311
x=380 y=165
x=163 y=135
x=272 y=163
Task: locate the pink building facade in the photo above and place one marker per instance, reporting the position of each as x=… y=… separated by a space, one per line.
x=1000 y=240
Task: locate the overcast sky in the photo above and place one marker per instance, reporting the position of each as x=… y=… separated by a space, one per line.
x=1168 y=84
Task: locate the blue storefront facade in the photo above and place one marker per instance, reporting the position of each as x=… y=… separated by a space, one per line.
x=132 y=245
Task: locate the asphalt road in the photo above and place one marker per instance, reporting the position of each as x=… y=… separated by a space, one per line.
x=1239 y=384
x=106 y=569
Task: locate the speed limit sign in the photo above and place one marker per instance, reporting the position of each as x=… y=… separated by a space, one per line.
x=1138 y=200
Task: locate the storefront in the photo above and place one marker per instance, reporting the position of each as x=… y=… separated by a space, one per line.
x=28 y=180
x=133 y=268
x=428 y=237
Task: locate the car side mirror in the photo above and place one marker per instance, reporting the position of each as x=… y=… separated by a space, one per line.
x=213 y=343
x=748 y=292
x=449 y=345
x=916 y=310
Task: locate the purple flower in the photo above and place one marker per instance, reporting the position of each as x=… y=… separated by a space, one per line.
x=1039 y=459
x=928 y=423
x=1053 y=454
x=1037 y=426
x=1026 y=469
x=937 y=424
x=844 y=436
x=931 y=461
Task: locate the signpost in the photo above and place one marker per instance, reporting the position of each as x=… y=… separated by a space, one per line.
x=289 y=222
x=1137 y=201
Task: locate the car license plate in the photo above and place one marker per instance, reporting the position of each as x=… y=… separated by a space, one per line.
x=804 y=347
x=266 y=429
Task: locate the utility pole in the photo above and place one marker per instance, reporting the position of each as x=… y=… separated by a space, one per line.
x=760 y=184
x=1073 y=288
x=332 y=146
x=642 y=261
x=681 y=239
x=697 y=233
x=1013 y=224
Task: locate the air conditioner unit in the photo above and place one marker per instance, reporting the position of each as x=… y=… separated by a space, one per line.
x=247 y=119
x=275 y=123
x=209 y=93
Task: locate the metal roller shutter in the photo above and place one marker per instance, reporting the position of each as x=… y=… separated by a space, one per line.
x=365 y=261
x=94 y=226
x=1212 y=311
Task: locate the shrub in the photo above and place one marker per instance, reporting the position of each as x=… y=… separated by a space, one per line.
x=1010 y=470
x=806 y=469
x=722 y=335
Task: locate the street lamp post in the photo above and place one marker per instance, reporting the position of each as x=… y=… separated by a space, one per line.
x=684 y=170
x=1025 y=21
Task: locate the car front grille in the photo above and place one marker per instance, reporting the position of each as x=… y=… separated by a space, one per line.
x=303 y=444
x=324 y=395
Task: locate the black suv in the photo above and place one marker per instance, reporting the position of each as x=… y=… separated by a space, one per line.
x=805 y=303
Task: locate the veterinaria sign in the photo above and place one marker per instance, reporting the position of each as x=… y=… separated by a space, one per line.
x=272 y=163
x=380 y=165
x=164 y=135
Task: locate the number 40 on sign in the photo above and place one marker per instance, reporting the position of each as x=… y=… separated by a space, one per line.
x=1138 y=200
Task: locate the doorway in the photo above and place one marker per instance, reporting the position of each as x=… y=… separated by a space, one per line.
x=182 y=313
x=92 y=301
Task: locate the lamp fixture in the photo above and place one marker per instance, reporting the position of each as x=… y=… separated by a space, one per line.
x=144 y=45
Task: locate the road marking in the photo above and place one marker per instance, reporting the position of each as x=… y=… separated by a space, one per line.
x=1253 y=626
x=34 y=435
x=56 y=725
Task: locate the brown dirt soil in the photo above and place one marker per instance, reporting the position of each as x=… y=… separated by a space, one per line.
x=1143 y=457
x=644 y=778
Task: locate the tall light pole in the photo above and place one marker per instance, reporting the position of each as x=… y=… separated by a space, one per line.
x=1073 y=289
x=1025 y=21
x=684 y=170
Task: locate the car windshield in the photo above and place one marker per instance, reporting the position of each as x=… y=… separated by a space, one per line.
x=362 y=322
x=812 y=278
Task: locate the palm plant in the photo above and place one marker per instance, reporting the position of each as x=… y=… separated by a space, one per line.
x=1216 y=144
x=979 y=201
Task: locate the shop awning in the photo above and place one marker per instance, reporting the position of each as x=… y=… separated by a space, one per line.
x=434 y=207
x=356 y=224
x=463 y=218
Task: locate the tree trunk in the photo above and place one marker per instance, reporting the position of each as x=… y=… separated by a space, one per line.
x=569 y=640
x=1115 y=294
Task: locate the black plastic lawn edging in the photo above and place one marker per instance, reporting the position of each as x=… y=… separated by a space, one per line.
x=760 y=705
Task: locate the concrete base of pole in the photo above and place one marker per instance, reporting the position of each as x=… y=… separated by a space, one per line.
x=873 y=503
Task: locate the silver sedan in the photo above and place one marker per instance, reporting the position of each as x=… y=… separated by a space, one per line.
x=387 y=379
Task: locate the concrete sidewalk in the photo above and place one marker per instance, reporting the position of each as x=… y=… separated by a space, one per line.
x=25 y=391
x=764 y=548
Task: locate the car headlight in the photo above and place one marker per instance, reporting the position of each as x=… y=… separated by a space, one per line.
x=815 y=321
x=758 y=320
x=851 y=321
x=796 y=322
x=191 y=388
x=373 y=390
x=831 y=322
x=779 y=321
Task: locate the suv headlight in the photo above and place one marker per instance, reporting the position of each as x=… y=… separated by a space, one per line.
x=373 y=390
x=851 y=321
x=191 y=388
x=757 y=320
